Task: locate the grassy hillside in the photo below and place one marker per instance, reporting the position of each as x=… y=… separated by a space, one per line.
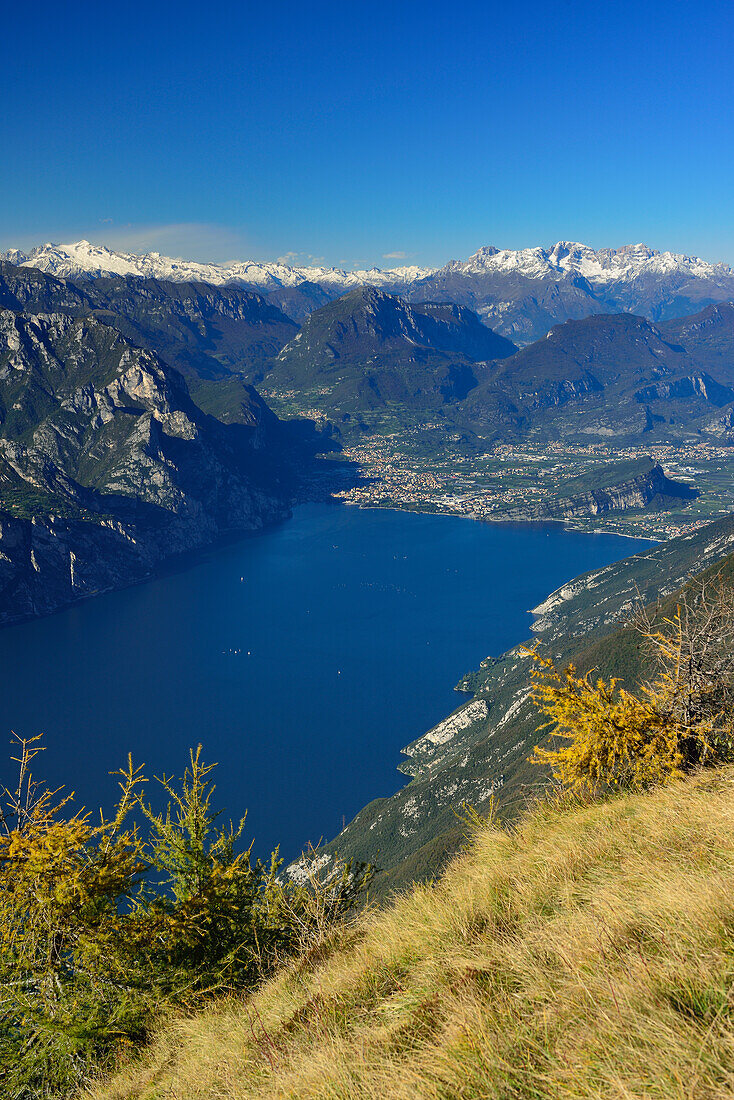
x=586 y=953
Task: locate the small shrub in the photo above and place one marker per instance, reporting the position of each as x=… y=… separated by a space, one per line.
x=682 y=719
x=102 y=925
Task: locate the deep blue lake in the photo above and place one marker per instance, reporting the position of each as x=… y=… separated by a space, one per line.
x=302 y=659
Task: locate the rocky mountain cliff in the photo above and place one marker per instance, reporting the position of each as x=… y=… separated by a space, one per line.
x=203 y=331
x=522 y=293
x=107 y=465
x=480 y=751
x=604 y=376
x=708 y=336
x=619 y=487
x=220 y=338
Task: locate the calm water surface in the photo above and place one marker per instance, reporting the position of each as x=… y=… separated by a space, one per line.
x=302 y=659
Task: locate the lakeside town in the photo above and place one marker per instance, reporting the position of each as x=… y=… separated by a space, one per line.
x=399 y=471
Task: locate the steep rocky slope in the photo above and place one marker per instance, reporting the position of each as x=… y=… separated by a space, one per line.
x=639 y=483
x=107 y=465
x=523 y=293
x=370 y=349
x=203 y=331
x=220 y=338
x=606 y=376
x=26 y=288
x=480 y=751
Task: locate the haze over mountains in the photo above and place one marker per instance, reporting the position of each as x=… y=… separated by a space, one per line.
x=520 y=293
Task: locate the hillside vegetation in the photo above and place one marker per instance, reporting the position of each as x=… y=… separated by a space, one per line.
x=588 y=952
x=410 y=834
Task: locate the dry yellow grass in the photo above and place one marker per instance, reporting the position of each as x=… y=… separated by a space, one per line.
x=589 y=954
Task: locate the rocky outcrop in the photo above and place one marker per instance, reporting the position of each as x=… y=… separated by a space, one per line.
x=637 y=492
x=370 y=350
x=478 y=756
x=47 y=562
x=107 y=466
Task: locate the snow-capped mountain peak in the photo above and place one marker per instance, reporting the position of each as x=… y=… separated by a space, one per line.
x=80 y=259
x=571 y=257
x=520 y=292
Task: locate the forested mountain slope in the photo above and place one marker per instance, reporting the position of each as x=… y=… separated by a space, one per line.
x=370 y=350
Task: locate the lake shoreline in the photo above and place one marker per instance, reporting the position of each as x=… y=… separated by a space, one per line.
x=304 y=659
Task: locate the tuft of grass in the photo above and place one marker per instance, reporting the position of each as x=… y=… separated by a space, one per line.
x=588 y=953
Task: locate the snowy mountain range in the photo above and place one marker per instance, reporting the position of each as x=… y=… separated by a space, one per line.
x=525 y=292
x=84 y=260
x=521 y=293
x=603 y=266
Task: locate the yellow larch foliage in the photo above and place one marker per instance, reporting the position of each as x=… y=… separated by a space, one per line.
x=680 y=720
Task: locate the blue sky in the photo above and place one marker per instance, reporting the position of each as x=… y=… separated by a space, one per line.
x=368 y=133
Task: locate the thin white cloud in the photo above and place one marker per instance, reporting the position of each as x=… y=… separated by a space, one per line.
x=186 y=240
x=189 y=240
x=301 y=259
x=394 y=255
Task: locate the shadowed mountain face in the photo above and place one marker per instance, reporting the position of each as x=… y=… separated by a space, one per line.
x=298 y=302
x=369 y=348
x=25 y=288
x=204 y=331
x=107 y=465
x=521 y=308
x=89 y=417
x=708 y=336
x=603 y=376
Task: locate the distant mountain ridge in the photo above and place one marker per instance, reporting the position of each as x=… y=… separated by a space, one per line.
x=521 y=293
x=606 y=376
x=602 y=265
x=371 y=355
x=82 y=259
